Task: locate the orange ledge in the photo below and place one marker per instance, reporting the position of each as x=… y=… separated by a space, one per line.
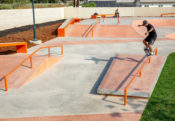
x=21 y=47
x=62 y=31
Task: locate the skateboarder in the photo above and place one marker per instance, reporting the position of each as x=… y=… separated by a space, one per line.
x=150 y=39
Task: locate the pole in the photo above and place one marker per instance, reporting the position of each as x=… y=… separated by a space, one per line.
x=74 y=3
x=35 y=41
x=78 y=2
x=34 y=26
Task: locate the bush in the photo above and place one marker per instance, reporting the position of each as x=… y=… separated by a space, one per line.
x=15 y=1
x=91 y=4
x=6 y=6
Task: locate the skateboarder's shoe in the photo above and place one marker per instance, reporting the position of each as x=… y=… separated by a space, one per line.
x=150 y=54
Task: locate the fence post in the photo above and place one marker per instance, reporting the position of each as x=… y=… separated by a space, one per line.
x=31 y=65
x=156 y=51
x=140 y=73
x=99 y=20
x=61 y=49
x=49 y=51
x=149 y=59
x=125 y=99
x=6 y=85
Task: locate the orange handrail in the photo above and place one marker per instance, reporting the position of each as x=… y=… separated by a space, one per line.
x=93 y=29
x=138 y=73
x=166 y=14
x=31 y=64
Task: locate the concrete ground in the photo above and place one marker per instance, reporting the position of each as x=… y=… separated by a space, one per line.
x=69 y=87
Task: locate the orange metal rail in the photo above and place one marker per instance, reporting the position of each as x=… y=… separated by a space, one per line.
x=31 y=63
x=104 y=16
x=163 y=14
x=93 y=28
x=138 y=73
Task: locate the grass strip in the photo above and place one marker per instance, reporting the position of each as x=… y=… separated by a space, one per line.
x=161 y=105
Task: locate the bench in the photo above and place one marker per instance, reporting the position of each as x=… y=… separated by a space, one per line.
x=21 y=47
x=64 y=26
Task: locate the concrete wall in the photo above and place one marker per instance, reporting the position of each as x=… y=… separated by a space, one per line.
x=87 y=12
x=21 y=17
x=124 y=11
x=16 y=18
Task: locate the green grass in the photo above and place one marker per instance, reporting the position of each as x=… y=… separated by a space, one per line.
x=161 y=105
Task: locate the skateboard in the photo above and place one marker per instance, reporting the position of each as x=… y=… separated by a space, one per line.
x=147 y=52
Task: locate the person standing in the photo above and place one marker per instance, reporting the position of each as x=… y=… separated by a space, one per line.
x=117 y=13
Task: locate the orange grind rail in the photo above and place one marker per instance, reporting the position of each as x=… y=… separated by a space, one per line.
x=102 y=15
x=163 y=14
x=31 y=63
x=21 y=47
x=135 y=76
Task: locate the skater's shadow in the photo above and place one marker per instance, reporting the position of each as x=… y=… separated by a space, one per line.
x=97 y=60
x=104 y=71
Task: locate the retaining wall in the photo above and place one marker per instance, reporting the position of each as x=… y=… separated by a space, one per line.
x=21 y=17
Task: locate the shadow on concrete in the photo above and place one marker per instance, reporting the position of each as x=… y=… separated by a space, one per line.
x=127 y=59
x=132 y=103
x=130 y=73
x=105 y=99
x=97 y=60
x=115 y=114
x=7 y=52
x=1 y=79
x=100 y=78
x=26 y=66
x=85 y=34
x=2 y=89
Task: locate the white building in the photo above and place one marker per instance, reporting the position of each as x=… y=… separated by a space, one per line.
x=158 y=3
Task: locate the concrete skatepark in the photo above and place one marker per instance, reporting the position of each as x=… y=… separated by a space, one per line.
x=68 y=89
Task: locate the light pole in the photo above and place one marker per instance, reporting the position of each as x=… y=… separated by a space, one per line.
x=35 y=41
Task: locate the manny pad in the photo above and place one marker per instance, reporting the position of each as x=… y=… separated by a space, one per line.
x=78 y=85
x=122 y=70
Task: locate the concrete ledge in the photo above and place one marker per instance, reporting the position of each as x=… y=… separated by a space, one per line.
x=122 y=70
x=65 y=25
